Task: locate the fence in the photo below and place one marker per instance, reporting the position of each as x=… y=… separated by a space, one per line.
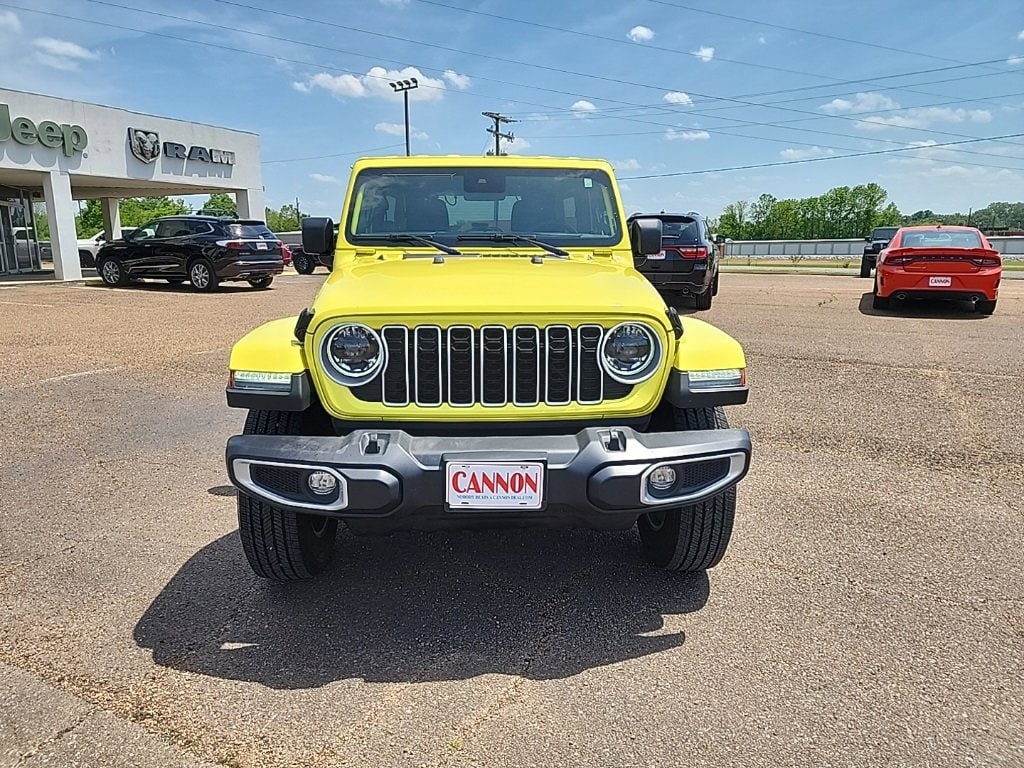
x=1011 y=247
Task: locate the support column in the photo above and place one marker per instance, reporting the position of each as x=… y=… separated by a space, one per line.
x=251 y=204
x=112 y=218
x=60 y=213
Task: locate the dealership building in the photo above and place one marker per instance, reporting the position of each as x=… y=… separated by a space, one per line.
x=57 y=151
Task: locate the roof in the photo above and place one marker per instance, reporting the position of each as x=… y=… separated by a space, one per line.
x=666 y=215
x=950 y=227
x=515 y=161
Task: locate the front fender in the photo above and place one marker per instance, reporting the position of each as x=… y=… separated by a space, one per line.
x=271 y=348
x=703 y=347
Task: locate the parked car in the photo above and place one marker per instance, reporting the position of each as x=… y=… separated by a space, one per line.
x=483 y=357
x=90 y=246
x=939 y=262
x=304 y=263
x=687 y=264
x=876 y=242
x=205 y=250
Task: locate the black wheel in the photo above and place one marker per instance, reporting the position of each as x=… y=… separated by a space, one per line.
x=878 y=302
x=112 y=272
x=714 y=285
x=865 y=266
x=261 y=282
x=304 y=263
x=702 y=301
x=690 y=538
x=202 y=276
x=86 y=259
x=281 y=545
x=985 y=307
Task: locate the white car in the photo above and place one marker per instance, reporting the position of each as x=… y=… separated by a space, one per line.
x=89 y=247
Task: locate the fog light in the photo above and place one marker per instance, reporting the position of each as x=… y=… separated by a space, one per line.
x=322 y=483
x=661 y=478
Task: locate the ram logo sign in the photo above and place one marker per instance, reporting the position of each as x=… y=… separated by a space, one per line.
x=145 y=145
x=203 y=154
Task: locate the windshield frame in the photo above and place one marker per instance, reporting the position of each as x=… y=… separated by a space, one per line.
x=602 y=182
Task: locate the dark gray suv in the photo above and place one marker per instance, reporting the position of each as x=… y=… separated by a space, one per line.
x=688 y=262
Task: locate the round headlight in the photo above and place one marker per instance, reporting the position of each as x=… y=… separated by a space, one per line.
x=352 y=353
x=630 y=353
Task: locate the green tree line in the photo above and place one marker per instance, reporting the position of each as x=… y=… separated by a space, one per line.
x=846 y=212
x=136 y=211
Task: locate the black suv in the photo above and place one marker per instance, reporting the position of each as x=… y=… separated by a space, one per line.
x=688 y=262
x=876 y=243
x=205 y=250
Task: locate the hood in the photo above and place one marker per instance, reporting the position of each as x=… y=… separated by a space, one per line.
x=487 y=285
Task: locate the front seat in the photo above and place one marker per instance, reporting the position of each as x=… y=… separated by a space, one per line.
x=537 y=214
x=426 y=214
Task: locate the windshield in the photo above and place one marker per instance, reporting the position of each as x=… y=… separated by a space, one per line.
x=883 y=234
x=937 y=238
x=556 y=206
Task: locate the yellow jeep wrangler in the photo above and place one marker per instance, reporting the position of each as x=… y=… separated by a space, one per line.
x=484 y=354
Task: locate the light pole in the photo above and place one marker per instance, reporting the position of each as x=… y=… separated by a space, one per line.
x=403 y=87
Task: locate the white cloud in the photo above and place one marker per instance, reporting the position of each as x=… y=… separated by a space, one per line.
x=9 y=21
x=323 y=178
x=641 y=34
x=1013 y=61
x=457 y=81
x=805 y=154
x=515 y=147
x=705 y=53
x=61 y=54
x=1021 y=35
x=762 y=39
x=398 y=129
x=375 y=84
x=673 y=135
x=678 y=97
x=862 y=102
x=632 y=164
x=583 y=108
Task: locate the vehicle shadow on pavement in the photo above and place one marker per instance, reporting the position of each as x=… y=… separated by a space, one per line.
x=160 y=286
x=422 y=607
x=921 y=309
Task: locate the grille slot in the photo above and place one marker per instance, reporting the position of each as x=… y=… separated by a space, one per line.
x=494 y=366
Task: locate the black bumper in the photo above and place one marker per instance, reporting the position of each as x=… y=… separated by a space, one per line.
x=696 y=281
x=393 y=481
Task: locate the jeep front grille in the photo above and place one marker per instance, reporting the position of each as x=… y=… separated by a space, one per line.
x=494 y=365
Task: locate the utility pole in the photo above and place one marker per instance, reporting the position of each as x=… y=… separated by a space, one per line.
x=298 y=216
x=496 y=130
x=403 y=87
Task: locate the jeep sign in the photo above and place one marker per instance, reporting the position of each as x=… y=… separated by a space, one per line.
x=70 y=138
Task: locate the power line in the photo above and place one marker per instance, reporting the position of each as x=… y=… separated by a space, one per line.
x=771 y=25
x=499 y=119
x=815 y=159
x=339 y=154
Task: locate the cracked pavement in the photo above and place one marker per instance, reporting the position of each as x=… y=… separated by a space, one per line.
x=869 y=612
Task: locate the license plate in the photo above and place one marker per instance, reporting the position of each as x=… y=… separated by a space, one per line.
x=940 y=282
x=495 y=485
x=262 y=246
x=658 y=255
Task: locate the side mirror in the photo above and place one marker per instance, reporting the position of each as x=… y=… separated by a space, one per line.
x=318 y=236
x=645 y=236
x=867 y=239
x=719 y=239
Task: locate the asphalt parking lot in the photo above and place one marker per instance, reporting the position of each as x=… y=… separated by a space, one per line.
x=870 y=611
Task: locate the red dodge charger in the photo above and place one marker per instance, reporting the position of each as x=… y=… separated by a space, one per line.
x=938 y=262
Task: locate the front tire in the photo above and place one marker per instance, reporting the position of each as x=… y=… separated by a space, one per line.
x=303 y=263
x=692 y=538
x=202 y=276
x=112 y=272
x=878 y=302
x=261 y=282
x=281 y=545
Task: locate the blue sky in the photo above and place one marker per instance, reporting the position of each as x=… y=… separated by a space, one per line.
x=656 y=86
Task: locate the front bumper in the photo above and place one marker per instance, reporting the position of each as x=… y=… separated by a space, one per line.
x=390 y=480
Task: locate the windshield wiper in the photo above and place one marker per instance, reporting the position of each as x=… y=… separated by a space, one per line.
x=502 y=237
x=397 y=237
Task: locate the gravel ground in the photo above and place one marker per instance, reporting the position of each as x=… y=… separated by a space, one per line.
x=869 y=611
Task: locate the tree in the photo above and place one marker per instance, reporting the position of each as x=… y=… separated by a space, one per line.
x=220 y=204
x=287 y=219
